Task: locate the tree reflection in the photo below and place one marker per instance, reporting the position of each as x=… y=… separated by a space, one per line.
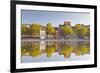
x=25 y=49
x=64 y=48
x=50 y=49
x=35 y=50
x=31 y=49
x=66 y=51
x=82 y=49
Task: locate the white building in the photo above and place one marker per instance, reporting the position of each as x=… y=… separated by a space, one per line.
x=42 y=45
x=42 y=33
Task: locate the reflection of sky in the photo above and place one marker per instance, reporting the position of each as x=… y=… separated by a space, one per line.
x=54 y=57
x=56 y=18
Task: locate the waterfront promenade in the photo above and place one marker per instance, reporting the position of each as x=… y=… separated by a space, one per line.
x=73 y=40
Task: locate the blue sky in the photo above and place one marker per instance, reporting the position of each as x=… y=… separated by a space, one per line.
x=53 y=17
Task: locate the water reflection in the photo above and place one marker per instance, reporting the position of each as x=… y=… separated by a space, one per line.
x=62 y=48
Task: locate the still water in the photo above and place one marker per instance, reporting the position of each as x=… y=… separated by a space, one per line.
x=42 y=51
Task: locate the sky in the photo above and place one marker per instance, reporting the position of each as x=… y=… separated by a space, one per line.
x=54 y=17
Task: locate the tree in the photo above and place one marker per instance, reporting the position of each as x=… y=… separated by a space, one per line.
x=83 y=32
x=77 y=26
x=77 y=29
x=24 y=29
x=66 y=30
x=50 y=29
x=35 y=29
x=88 y=32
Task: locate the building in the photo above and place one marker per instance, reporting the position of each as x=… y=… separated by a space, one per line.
x=57 y=35
x=67 y=23
x=43 y=32
x=27 y=25
x=42 y=45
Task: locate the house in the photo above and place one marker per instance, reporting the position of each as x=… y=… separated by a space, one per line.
x=67 y=23
x=57 y=35
x=43 y=32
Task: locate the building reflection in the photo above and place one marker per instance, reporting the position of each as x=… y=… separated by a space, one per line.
x=65 y=48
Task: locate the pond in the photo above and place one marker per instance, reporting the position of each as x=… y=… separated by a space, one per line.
x=49 y=51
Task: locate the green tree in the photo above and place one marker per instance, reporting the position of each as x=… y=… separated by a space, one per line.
x=88 y=32
x=24 y=29
x=66 y=30
x=50 y=29
x=77 y=26
x=35 y=29
x=77 y=29
x=83 y=32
